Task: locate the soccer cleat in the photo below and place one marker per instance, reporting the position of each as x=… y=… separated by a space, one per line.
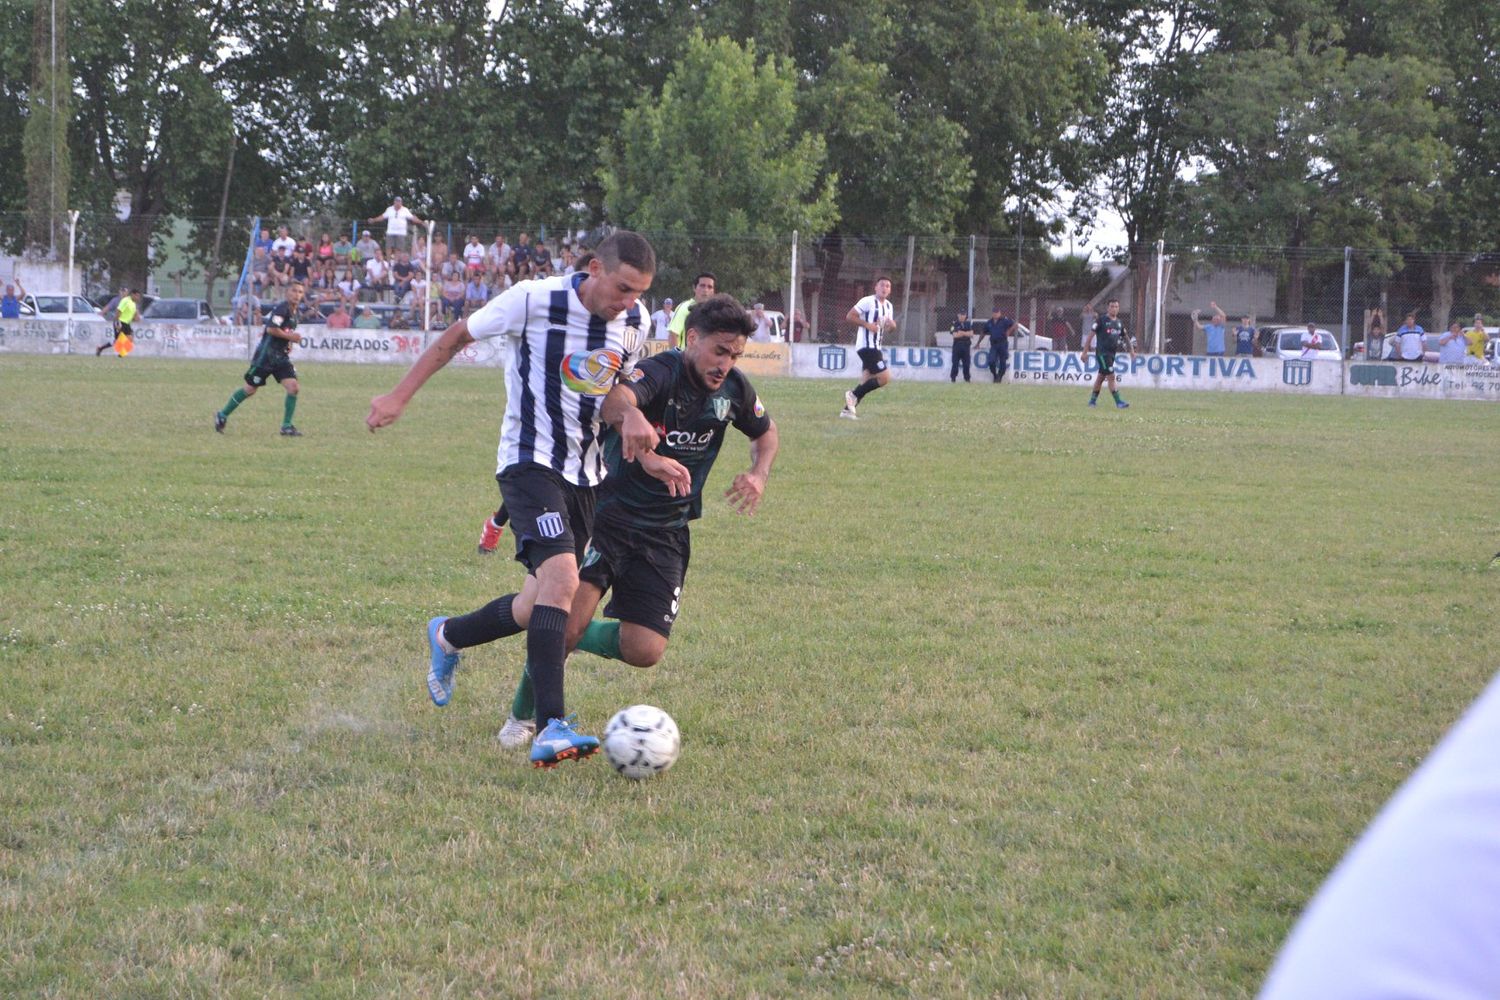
x=1093 y=402
x=516 y=734
x=850 y=402
x=489 y=537
x=848 y=414
x=1120 y=404
x=290 y=431
x=442 y=665
x=219 y=421
x=557 y=743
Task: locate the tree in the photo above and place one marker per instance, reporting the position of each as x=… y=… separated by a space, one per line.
x=716 y=171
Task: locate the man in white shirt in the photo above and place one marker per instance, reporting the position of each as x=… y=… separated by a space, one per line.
x=474 y=253
x=499 y=254
x=284 y=244
x=661 y=319
x=1310 y=341
x=396 y=217
x=873 y=315
x=762 y=334
x=1412 y=336
x=378 y=274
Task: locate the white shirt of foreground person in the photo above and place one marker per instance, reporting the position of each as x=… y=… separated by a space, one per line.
x=1413 y=910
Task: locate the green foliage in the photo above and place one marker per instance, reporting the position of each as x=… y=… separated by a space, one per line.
x=717 y=156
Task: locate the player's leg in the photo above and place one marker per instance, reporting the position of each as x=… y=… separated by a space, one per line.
x=646 y=598
x=520 y=727
x=1114 y=390
x=254 y=379
x=494 y=527
x=289 y=383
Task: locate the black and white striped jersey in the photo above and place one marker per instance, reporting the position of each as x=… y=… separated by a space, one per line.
x=871 y=310
x=560 y=362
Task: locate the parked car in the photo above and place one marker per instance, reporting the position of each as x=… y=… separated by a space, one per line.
x=1286 y=342
x=179 y=311
x=54 y=306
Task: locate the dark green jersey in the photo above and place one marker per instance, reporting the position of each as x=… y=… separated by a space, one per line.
x=1108 y=335
x=273 y=349
x=691 y=421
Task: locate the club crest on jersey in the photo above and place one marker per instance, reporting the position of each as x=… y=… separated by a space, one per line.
x=591 y=372
x=549 y=524
x=721 y=407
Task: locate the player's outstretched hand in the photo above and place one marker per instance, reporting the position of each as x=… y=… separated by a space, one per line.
x=745 y=492
x=383 y=412
x=670 y=471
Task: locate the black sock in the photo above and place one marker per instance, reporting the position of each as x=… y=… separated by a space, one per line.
x=545 y=649
x=866 y=387
x=491 y=622
x=501 y=516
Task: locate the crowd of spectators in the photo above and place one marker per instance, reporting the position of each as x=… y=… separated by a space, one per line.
x=346 y=280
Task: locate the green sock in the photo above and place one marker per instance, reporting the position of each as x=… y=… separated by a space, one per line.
x=286 y=414
x=602 y=639
x=1115 y=394
x=523 y=705
x=1093 y=396
x=235 y=399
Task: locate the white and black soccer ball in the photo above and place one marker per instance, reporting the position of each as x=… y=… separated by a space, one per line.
x=640 y=741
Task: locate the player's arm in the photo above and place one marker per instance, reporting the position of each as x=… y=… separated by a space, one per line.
x=1088 y=344
x=385 y=409
x=854 y=317
x=748 y=487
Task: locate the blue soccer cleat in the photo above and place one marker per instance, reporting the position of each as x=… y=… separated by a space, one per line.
x=1120 y=404
x=558 y=743
x=440 y=673
x=1093 y=402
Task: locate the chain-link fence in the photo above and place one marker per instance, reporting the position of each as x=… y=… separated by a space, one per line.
x=1169 y=295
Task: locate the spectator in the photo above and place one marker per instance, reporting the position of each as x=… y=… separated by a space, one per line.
x=540 y=256
x=279 y=270
x=475 y=292
x=349 y=287
x=1213 y=330
x=378 y=275
x=1311 y=341
x=397 y=216
x=341 y=248
x=364 y=249
x=1474 y=339
x=762 y=334
x=567 y=261
x=418 y=248
x=324 y=254
x=474 y=254
x=339 y=319
x=453 y=297
x=799 y=327
x=1453 y=345
x=499 y=255
x=262 y=241
x=417 y=295
x=401 y=274
x=1057 y=329
x=660 y=320
x=1086 y=320
x=523 y=256
x=301 y=266
x=247 y=308
x=1244 y=335
x=1375 y=338
x=366 y=319
x=396 y=320
x=998 y=330
x=10 y=302
x=1412 y=336
x=284 y=242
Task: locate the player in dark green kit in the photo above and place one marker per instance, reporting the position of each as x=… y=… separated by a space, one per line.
x=1105 y=338
x=640 y=546
x=272 y=359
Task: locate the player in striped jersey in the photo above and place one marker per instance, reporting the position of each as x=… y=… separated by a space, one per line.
x=874 y=315
x=568 y=339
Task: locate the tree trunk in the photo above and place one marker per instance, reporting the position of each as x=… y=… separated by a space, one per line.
x=1442 y=291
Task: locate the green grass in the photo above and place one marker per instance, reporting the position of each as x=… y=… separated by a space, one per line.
x=996 y=696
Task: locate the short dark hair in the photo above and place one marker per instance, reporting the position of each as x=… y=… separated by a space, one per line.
x=720 y=314
x=706 y=274
x=1109 y=300
x=882 y=277
x=624 y=247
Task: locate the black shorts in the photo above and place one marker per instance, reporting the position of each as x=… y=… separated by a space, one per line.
x=643 y=571
x=280 y=369
x=548 y=514
x=871 y=359
x=123 y=329
x=1106 y=364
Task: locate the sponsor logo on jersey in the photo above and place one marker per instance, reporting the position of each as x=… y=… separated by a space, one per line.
x=760 y=410
x=591 y=373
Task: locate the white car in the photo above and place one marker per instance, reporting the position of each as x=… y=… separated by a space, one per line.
x=53 y=306
x=1286 y=342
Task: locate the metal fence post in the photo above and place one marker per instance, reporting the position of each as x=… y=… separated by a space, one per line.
x=1349 y=252
x=791 y=296
x=969 y=302
x=911 y=249
x=1160 y=262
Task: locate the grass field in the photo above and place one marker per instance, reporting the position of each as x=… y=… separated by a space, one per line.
x=996 y=696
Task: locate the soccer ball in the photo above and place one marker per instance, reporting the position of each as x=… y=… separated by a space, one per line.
x=640 y=741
